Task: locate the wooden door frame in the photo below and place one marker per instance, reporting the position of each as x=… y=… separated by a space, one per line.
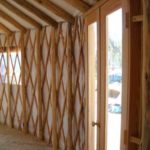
x=109 y=7
x=124 y=4
x=91 y=18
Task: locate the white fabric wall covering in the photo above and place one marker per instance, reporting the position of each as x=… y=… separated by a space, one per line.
x=78 y=85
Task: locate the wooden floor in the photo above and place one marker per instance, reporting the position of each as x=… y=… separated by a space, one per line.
x=11 y=139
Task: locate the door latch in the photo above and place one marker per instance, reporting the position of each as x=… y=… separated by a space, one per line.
x=95 y=124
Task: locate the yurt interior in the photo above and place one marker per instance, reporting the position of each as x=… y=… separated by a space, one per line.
x=74 y=74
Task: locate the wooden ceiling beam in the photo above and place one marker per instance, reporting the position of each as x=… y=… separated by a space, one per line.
x=20 y=14
x=56 y=10
x=5 y=29
x=12 y=21
x=25 y=4
x=78 y=4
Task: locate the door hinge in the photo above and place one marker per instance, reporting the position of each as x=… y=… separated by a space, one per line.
x=125 y=137
x=127 y=19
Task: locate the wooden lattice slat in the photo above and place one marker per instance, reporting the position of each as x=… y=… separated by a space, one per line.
x=15 y=80
x=47 y=83
x=31 y=83
x=78 y=92
x=61 y=86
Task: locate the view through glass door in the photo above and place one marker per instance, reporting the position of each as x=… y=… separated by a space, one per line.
x=92 y=72
x=92 y=103
x=113 y=79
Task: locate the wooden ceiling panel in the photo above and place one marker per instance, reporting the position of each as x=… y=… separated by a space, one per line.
x=56 y=10
x=4 y=29
x=46 y=11
x=27 y=14
x=12 y=21
x=16 y=17
x=8 y=25
x=19 y=13
x=37 y=12
x=80 y=5
x=67 y=7
x=91 y=2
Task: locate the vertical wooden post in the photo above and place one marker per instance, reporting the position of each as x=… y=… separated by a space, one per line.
x=146 y=76
x=39 y=84
x=135 y=75
x=54 y=97
x=23 y=83
x=69 y=87
x=8 y=83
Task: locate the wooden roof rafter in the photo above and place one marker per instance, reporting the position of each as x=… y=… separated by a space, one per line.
x=78 y=4
x=25 y=4
x=56 y=10
x=12 y=21
x=20 y=13
x=5 y=29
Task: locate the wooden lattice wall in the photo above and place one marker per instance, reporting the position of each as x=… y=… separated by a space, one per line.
x=59 y=83
x=11 y=97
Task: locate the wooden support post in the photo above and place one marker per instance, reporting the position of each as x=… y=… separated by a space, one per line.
x=146 y=76
x=23 y=84
x=69 y=87
x=8 y=83
x=135 y=76
x=39 y=84
x=54 y=97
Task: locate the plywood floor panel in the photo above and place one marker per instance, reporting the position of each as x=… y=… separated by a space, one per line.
x=11 y=139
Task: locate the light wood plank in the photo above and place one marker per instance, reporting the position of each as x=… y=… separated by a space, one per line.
x=54 y=96
x=78 y=4
x=146 y=77
x=69 y=87
x=37 y=12
x=56 y=10
x=41 y=132
x=8 y=85
x=21 y=14
x=23 y=84
x=135 y=75
x=12 y=21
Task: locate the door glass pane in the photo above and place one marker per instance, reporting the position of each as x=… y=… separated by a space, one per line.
x=92 y=71
x=114 y=80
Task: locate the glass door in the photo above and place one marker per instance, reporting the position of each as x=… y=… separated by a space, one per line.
x=113 y=79
x=111 y=74
x=107 y=77
x=93 y=123
x=92 y=103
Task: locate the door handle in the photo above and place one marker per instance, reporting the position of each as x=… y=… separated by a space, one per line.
x=95 y=124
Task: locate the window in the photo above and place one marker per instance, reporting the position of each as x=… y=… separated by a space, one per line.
x=3 y=67
x=114 y=79
x=14 y=67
